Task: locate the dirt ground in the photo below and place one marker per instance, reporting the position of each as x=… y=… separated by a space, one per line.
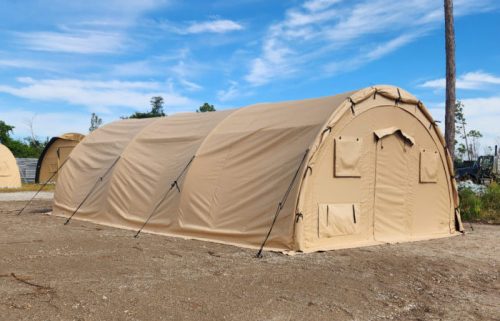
x=83 y=271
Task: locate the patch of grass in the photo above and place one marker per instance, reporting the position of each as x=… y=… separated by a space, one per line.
x=483 y=207
x=28 y=188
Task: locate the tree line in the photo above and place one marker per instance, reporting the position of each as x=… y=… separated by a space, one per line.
x=156 y=110
x=28 y=147
x=33 y=146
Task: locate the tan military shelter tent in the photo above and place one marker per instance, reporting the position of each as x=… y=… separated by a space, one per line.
x=54 y=155
x=10 y=176
x=370 y=168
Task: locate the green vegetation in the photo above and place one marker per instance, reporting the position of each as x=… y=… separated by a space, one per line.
x=469 y=145
x=29 y=147
x=156 y=109
x=95 y=122
x=206 y=107
x=484 y=207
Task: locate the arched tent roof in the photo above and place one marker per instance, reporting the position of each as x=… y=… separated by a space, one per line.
x=10 y=176
x=54 y=154
x=244 y=161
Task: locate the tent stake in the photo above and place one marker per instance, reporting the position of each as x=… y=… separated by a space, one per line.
x=174 y=184
x=281 y=204
x=92 y=189
x=43 y=186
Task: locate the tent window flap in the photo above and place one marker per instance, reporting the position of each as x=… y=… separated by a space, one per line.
x=337 y=219
x=347 y=156
x=381 y=133
x=429 y=160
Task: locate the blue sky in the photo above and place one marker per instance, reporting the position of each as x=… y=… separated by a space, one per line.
x=62 y=60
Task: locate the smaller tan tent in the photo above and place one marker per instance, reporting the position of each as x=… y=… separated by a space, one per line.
x=54 y=155
x=9 y=172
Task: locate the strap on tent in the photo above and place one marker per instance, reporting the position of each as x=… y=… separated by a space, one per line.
x=174 y=184
x=435 y=123
x=92 y=189
x=43 y=186
x=398 y=100
x=352 y=105
x=281 y=204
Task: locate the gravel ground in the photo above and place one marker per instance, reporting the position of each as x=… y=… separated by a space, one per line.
x=83 y=271
x=25 y=196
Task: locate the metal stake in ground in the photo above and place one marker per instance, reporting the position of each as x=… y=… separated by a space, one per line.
x=281 y=204
x=43 y=186
x=92 y=189
x=174 y=184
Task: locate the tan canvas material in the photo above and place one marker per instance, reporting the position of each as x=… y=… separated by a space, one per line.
x=429 y=165
x=54 y=155
x=347 y=155
x=244 y=161
x=10 y=177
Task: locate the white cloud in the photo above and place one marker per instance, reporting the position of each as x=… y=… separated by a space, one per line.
x=314 y=33
x=185 y=71
x=483 y=106
x=214 y=26
x=95 y=13
x=189 y=85
x=481 y=113
x=369 y=55
x=97 y=95
x=229 y=94
x=135 y=68
x=316 y=5
x=82 y=42
x=471 y=80
x=273 y=61
x=27 y=64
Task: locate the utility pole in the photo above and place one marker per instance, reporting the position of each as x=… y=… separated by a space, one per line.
x=449 y=123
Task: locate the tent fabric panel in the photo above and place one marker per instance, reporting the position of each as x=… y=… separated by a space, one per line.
x=10 y=177
x=88 y=162
x=149 y=166
x=391 y=215
x=76 y=137
x=245 y=167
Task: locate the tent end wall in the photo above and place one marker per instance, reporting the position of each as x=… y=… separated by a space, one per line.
x=354 y=106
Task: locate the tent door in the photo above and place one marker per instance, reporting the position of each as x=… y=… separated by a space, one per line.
x=391 y=218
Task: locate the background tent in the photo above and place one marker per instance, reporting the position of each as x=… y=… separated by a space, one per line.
x=371 y=168
x=9 y=172
x=54 y=154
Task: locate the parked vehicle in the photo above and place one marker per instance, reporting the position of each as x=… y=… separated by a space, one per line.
x=484 y=170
